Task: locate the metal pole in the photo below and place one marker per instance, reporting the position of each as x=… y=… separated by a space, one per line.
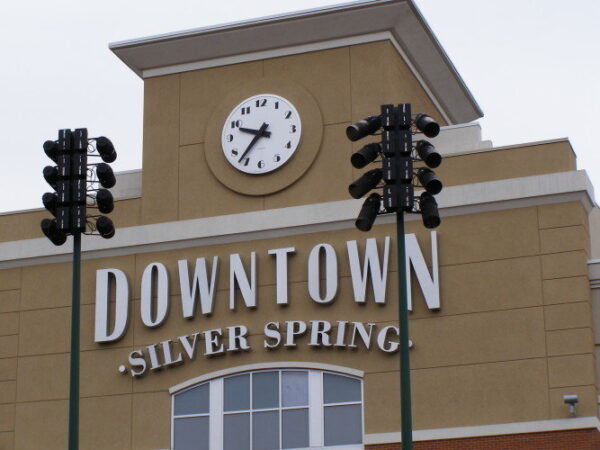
x=74 y=370
x=405 y=396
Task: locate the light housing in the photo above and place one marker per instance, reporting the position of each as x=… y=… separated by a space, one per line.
x=50 y=201
x=364 y=127
x=428 y=153
x=429 y=210
x=365 y=183
x=427 y=125
x=51 y=175
x=365 y=155
x=429 y=180
x=52 y=232
x=105 y=174
x=104 y=201
x=51 y=150
x=106 y=149
x=368 y=212
x=105 y=227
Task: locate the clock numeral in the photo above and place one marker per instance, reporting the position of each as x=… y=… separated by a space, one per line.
x=234 y=152
x=259 y=103
x=236 y=123
x=276 y=105
x=261 y=164
x=289 y=144
x=277 y=158
x=246 y=162
x=288 y=114
x=292 y=128
x=245 y=110
x=229 y=138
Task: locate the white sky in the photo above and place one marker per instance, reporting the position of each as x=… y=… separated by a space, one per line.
x=532 y=65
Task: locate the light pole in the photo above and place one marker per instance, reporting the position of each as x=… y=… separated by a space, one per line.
x=399 y=179
x=77 y=188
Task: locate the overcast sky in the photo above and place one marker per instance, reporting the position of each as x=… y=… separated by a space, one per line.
x=532 y=65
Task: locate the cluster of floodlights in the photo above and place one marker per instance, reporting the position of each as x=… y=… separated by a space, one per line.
x=396 y=176
x=78 y=186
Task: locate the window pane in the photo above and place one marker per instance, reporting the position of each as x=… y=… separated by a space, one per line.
x=237 y=393
x=337 y=389
x=294 y=424
x=236 y=432
x=265 y=430
x=294 y=388
x=191 y=433
x=193 y=401
x=265 y=390
x=343 y=425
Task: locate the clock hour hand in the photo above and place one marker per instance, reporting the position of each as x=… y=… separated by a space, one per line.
x=256 y=132
x=258 y=135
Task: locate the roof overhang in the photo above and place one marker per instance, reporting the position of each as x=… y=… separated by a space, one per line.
x=359 y=21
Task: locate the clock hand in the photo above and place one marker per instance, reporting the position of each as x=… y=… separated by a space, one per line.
x=254 y=139
x=256 y=132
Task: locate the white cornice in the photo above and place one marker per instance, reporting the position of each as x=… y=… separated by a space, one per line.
x=454 y=200
x=330 y=27
x=538 y=426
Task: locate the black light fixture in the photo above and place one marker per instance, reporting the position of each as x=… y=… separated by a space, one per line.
x=51 y=150
x=365 y=183
x=104 y=201
x=365 y=155
x=429 y=180
x=368 y=212
x=427 y=125
x=52 y=232
x=50 y=201
x=105 y=227
x=105 y=175
x=51 y=175
x=429 y=210
x=364 y=127
x=428 y=153
x=106 y=149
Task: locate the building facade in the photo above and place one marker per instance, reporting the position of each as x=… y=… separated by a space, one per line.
x=238 y=307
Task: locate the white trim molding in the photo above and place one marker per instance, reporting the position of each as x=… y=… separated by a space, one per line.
x=265 y=366
x=576 y=423
x=330 y=27
x=319 y=217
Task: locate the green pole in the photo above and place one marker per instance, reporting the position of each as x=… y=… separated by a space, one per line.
x=405 y=400
x=74 y=369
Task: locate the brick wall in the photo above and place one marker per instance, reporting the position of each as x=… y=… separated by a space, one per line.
x=556 y=440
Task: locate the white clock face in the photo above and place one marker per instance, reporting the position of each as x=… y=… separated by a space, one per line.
x=261 y=134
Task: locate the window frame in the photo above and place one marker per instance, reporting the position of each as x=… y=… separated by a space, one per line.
x=316 y=400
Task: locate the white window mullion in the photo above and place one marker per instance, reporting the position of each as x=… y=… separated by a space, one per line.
x=315 y=408
x=216 y=414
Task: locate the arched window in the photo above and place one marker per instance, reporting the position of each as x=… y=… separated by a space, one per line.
x=275 y=408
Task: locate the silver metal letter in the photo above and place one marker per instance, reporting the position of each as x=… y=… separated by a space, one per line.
x=331 y=273
x=237 y=338
x=371 y=266
x=168 y=355
x=237 y=275
x=162 y=295
x=136 y=359
x=430 y=284
x=102 y=305
x=211 y=340
x=341 y=333
x=364 y=334
x=293 y=328
x=281 y=273
x=319 y=330
x=272 y=332
x=189 y=349
x=199 y=286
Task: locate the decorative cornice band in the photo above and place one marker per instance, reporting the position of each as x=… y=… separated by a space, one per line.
x=454 y=200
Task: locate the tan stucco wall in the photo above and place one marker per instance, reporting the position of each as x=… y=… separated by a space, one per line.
x=513 y=334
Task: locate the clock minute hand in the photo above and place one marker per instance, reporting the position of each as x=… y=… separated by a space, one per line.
x=254 y=139
x=266 y=134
